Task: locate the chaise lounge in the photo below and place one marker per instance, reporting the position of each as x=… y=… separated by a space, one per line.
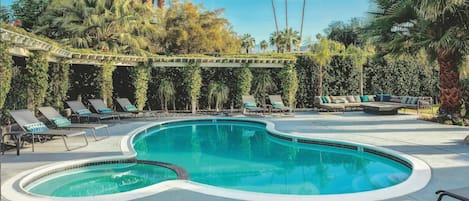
x=30 y=124
x=250 y=105
x=80 y=111
x=61 y=122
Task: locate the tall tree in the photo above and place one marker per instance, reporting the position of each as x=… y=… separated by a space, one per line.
x=440 y=27
x=290 y=38
x=28 y=12
x=264 y=45
x=276 y=40
x=247 y=42
x=109 y=26
x=346 y=33
x=323 y=53
x=4 y=14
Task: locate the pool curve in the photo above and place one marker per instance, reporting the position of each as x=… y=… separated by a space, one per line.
x=418 y=179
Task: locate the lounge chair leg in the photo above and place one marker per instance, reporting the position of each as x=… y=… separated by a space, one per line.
x=107 y=131
x=94 y=134
x=32 y=144
x=65 y=142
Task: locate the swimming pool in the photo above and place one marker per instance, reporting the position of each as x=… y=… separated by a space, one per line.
x=244 y=156
x=245 y=159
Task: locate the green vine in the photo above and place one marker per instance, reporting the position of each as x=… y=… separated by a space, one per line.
x=243 y=86
x=193 y=83
x=58 y=84
x=106 y=83
x=289 y=84
x=6 y=63
x=140 y=76
x=36 y=78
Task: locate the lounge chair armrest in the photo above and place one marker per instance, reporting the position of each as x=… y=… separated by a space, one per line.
x=442 y=193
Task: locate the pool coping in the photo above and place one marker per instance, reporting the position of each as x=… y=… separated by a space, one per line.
x=419 y=178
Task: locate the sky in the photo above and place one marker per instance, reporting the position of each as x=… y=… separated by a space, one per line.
x=256 y=16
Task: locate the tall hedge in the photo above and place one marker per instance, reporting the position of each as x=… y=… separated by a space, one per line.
x=193 y=83
x=58 y=84
x=36 y=78
x=6 y=63
x=106 y=85
x=289 y=84
x=140 y=76
x=243 y=83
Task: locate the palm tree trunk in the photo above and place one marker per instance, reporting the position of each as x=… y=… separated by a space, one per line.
x=450 y=89
x=361 y=80
x=302 y=20
x=320 y=81
x=275 y=16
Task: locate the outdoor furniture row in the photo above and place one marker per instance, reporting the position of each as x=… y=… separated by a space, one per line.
x=377 y=104
x=250 y=105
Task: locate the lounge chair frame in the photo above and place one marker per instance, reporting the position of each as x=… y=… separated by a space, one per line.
x=24 y=117
x=251 y=99
x=122 y=102
x=98 y=104
x=50 y=113
x=75 y=106
x=460 y=194
x=278 y=98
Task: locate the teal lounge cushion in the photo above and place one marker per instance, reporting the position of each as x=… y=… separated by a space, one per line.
x=84 y=112
x=364 y=99
x=324 y=99
x=250 y=105
x=130 y=108
x=105 y=110
x=36 y=127
x=414 y=101
x=404 y=99
x=61 y=122
x=277 y=104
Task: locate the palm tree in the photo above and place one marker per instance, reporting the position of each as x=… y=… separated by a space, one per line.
x=263 y=84
x=323 y=54
x=4 y=14
x=359 y=57
x=218 y=92
x=247 y=42
x=440 y=27
x=289 y=38
x=264 y=45
x=166 y=93
x=276 y=40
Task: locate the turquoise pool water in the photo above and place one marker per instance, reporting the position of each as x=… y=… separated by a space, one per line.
x=243 y=156
x=100 y=180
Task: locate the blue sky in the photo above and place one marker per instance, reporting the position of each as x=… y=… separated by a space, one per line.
x=256 y=17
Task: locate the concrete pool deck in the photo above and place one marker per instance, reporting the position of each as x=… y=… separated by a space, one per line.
x=440 y=146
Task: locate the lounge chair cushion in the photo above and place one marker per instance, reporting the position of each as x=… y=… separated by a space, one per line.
x=61 y=121
x=404 y=100
x=350 y=99
x=414 y=100
x=277 y=104
x=250 y=105
x=328 y=98
x=36 y=127
x=338 y=101
x=324 y=99
x=130 y=108
x=357 y=99
x=371 y=98
x=364 y=99
x=105 y=110
x=84 y=112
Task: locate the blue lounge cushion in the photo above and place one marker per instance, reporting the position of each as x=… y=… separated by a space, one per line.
x=384 y=97
x=250 y=105
x=61 y=122
x=364 y=99
x=36 y=127
x=105 y=110
x=324 y=99
x=277 y=104
x=84 y=112
x=130 y=108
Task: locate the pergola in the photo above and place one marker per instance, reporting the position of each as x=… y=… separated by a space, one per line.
x=23 y=44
